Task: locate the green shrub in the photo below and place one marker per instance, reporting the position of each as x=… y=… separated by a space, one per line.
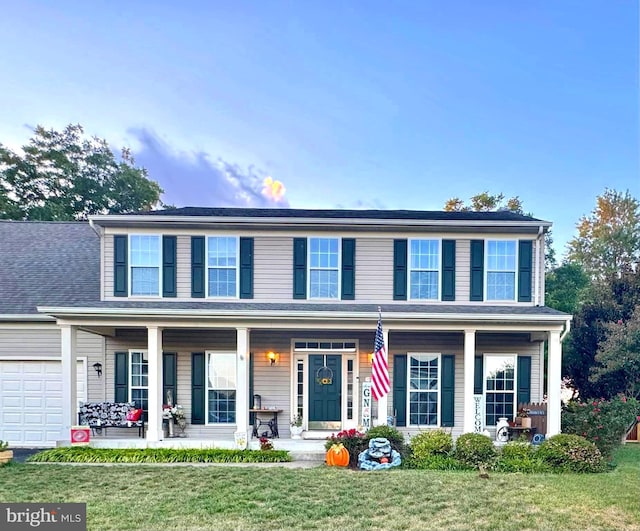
x=436 y=462
x=475 y=449
x=603 y=422
x=353 y=440
x=519 y=456
x=429 y=443
x=571 y=453
x=3 y=445
x=157 y=455
x=517 y=450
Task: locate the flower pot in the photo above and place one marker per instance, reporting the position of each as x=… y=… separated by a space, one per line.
x=5 y=456
x=296 y=432
x=526 y=422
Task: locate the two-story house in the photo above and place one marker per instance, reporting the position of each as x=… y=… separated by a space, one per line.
x=217 y=305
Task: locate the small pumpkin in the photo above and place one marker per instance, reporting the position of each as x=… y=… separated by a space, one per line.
x=338 y=455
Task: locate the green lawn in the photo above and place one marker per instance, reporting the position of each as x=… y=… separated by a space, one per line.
x=225 y=497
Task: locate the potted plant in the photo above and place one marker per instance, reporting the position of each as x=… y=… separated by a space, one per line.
x=296 y=427
x=6 y=455
x=523 y=415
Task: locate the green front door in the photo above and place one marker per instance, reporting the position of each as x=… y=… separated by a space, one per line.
x=325 y=384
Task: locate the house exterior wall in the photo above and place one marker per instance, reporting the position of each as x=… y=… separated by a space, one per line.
x=274 y=382
x=273 y=265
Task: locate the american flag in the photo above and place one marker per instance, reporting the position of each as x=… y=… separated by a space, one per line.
x=380 y=367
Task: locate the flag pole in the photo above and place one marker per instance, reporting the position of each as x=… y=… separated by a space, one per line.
x=383 y=407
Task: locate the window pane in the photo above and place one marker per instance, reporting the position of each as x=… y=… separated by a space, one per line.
x=501 y=269
x=499 y=385
x=424 y=387
x=222 y=263
x=424 y=271
x=222 y=282
x=222 y=371
x=323 y=268
x=501 y=286
x=145 y=280
x=145 y=250
x=324 y=284
x=222 y=406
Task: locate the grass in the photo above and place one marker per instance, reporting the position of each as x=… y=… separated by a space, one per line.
x=255 y=498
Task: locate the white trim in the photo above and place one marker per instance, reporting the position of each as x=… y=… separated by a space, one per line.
x=206 y=267
x=30 y=358
x=85 y=378
x=339 y=269
x=21 y=317
x=439 y=391
x=439 y=271
x=129 y=266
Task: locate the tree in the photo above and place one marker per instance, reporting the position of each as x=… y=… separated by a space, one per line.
x=485 y=202
x=566 y=287
x=618 y=356
x=608 y=241
x=606 y=302
x=62 y=175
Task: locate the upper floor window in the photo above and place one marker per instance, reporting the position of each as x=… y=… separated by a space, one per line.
x=424 y=269
x=501 y=270
x=222 y=266
x=324 y=265
x=145 y=264
x=424 y=389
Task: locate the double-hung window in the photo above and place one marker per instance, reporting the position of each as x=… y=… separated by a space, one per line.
x=424 y=389
x=222 y=266
x=139 y=379
x=145 y=264
x=424 y=270
x=501 y=270
x=324 y=267
x=499 y=387
x=221 y=388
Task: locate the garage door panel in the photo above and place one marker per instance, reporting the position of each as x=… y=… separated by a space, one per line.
x=33 y=386
x=53 y=403
x=11 y=401
x=53 y=387
x=33 y=418
x=11 y=386
x=33 y=402
x=9 y=417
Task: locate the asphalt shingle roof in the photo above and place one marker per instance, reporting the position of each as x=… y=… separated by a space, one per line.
x=48 y=263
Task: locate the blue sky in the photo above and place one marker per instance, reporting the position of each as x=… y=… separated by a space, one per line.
x=349 y=104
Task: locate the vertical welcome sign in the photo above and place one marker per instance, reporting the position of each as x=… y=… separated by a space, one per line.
x=366 y=404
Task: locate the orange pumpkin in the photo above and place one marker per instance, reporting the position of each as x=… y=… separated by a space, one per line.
x=338 y=455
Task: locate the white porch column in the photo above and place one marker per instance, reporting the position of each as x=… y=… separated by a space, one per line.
x=553 y=384
x=154 y=417
x=383 y=403
x=242 y=391
x=469 y=367
x=69 y=336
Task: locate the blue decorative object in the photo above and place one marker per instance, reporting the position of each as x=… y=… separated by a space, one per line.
x=379 y=455
x=537 y=439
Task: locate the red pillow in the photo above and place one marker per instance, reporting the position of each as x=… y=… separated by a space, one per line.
x=134 y=414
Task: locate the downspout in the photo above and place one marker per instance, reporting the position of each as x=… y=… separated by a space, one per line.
x=540 y=268
x=94 y=228
x=567 y=329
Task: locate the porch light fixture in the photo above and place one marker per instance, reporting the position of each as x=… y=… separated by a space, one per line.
x=370 y=357
x=272 y=357
x=98 y=367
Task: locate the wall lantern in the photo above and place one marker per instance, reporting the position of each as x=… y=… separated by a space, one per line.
x=370 y=357
x=98 y=367
x=272 y=357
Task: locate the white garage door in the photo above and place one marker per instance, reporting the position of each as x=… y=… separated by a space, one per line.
x=31 y=401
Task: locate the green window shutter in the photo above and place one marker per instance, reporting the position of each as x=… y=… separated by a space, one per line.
x=448 y=270
x=477 y=270
x=400 y=389
x=120 y=265
x=169 y=251
x=447 y=393
x=169 y=376
x=197 y=266
x=400 y=270
x=524 y=379
x=246 y=268
x=121 y=393
x=197 y=387
x=299 y=268
x=478 y=376
x=525 y=265
x=348 y=269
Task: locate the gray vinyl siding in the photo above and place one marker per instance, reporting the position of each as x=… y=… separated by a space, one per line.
x=183 y=266
x=91 y=346
x=273 y=268
x=107 y=266
x=37 y=342
x=463 y=270
x=374 y=269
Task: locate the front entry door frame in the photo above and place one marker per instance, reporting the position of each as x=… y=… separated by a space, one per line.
x=350 y=389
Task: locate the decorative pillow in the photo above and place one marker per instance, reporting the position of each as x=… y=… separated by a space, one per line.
x=134 y=415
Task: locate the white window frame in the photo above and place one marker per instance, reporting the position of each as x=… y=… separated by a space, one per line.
x=438 y=355
x=338 y=268
x=207 y=267
x=130 y=266
x=145 y=356
x=486 y=269
x=438 y=270
x=484 y=382
x=208 y=354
